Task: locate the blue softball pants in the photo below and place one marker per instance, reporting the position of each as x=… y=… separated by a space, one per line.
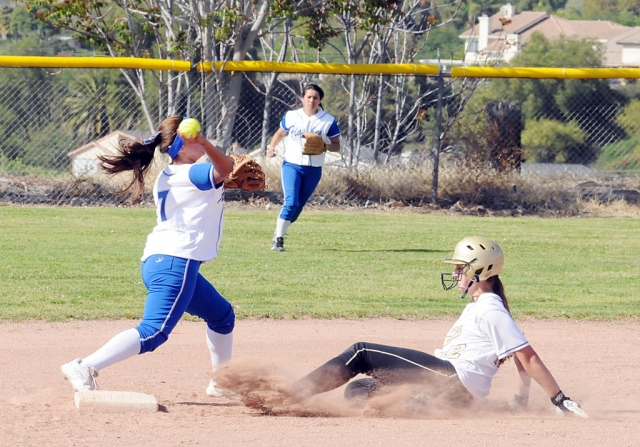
x=298 y=184
x=175 y=286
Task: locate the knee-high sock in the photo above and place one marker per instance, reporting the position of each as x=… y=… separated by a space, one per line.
x=124 y=345
x=281 y=227
x=220 y=347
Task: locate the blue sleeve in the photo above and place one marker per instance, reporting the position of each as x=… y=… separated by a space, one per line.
x=201 y=175
x=334 y=130
x=283 y=124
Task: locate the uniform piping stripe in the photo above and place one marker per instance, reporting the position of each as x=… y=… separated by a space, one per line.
x=164 y=323
x=401 y=358
x=512 y=350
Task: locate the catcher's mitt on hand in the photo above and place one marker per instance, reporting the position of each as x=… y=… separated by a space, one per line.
x=313 y=144
x=247 y=174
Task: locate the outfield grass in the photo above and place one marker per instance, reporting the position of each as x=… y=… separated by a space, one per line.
x=83 y=263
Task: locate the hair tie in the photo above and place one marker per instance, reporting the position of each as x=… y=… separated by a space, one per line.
x=177 y=144
x=153 y=138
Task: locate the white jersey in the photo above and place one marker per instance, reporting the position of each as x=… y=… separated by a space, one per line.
x=484 y=334
x=296 y=123
x=189 y=206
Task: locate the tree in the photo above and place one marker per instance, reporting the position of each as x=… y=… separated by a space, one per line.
x=549 y=141
x=629 y=118
x=588 y=103
x=625 y=154
x=27 y=104
x=96 y=104
x=621 y=11
x=197 y=30
x=540 y=5
x=391 y=104
x=200 y=30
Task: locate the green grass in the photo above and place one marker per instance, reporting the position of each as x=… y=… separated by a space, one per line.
x=83 y=263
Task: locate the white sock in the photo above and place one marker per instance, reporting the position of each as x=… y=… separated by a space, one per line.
x=281 y=227
x=124 y=345
x=220 y=347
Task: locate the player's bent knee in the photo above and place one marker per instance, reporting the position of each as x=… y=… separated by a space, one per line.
x=358 y=346
x=224 y=325
x=151 y=342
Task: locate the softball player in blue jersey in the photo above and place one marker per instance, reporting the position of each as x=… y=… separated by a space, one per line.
x=301 y=173
x=189 y=206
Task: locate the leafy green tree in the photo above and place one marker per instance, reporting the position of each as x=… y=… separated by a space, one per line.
x=588 y=103
x=24 y=23
x=561 y=52
x=28 y=101
x=625 y=154
x=207 y=31
x=5 y=22
x=598 y=9
x=625 y=12
x=629 y=118
x=549 y=141
x=87 y=102
x=620 y=156
x=443 y=42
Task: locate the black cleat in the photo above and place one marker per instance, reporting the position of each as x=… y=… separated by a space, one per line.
x=277 y=244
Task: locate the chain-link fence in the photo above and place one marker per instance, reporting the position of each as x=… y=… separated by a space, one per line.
x=496 y=142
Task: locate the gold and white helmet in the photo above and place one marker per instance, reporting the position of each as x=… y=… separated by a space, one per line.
x=482 y=258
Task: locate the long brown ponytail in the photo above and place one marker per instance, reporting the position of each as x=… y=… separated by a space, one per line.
x=138 y=157
x=498 y=288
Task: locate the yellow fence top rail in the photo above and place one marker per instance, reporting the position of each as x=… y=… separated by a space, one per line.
x=93 y=62
x=314 y=67
x=545 y=73
x=311 y=67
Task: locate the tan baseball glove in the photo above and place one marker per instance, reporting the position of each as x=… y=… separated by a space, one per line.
x=247 y=174
x=313 y=144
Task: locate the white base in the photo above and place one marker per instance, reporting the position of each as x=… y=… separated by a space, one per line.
x=125 y=400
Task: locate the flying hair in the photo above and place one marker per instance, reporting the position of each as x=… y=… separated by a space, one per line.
x=138 y=157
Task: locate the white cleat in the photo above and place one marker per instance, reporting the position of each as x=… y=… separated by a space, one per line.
x=80 y=377
x=571 y=407
x=214 y=391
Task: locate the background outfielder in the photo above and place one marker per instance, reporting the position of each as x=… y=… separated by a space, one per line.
x=308 y=133
x=189 y=206
x=482 y=338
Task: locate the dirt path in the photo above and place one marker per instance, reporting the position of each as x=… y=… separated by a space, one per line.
x=592 y=361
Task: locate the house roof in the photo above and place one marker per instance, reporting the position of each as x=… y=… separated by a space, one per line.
x=525 y=23
x=516 y=24
x=582 y=29
x=631 y=37
x=101 y=142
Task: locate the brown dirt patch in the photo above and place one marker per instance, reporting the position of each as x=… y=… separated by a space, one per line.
x=596 y=363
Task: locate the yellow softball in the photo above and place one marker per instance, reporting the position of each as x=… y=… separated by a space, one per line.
x=189 y=128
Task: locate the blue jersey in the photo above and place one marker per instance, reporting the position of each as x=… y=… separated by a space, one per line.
x=189 y=208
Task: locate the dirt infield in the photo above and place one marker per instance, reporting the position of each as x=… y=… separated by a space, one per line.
x=596 y=363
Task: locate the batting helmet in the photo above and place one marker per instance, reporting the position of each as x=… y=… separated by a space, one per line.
x=482 y=257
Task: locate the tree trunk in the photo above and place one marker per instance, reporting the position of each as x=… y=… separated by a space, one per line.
x=504 y=128
x=266 y=114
